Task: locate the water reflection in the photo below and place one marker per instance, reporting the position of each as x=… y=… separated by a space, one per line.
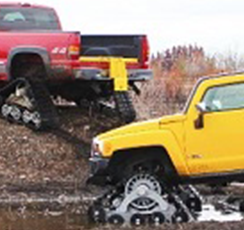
x=18 y=220
x=73 y=219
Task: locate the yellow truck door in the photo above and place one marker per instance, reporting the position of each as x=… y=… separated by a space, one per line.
x=217 y=146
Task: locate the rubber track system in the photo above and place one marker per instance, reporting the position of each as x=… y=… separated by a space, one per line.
x=41 y=113
x=143 y=200
x=124 y=107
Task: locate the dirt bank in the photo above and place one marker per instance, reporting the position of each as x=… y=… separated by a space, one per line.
x=42 y=175
x=56 y=156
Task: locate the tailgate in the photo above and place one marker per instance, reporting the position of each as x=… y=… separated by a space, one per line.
x=126 y=46
x=107 y=56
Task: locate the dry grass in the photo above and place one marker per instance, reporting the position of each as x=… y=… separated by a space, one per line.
x=175 y=72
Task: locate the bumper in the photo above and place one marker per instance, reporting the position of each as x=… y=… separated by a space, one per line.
x=98 y=74
x=97 y=165
x=97 y=170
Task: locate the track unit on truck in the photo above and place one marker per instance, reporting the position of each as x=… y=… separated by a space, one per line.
x=85 y=69
x=28 y=102
x=155 y=161
x=143 y=200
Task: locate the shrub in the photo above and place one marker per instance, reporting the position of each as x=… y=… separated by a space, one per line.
x=175 y=71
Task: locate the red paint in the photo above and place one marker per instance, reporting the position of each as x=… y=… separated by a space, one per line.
x=56 y=43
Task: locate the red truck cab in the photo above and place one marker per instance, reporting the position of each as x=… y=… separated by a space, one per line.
x=25 y=16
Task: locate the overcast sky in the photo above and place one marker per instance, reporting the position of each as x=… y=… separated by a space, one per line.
x=217 y=25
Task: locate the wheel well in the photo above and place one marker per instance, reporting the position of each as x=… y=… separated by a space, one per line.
x=27 y=65
x=158 y=155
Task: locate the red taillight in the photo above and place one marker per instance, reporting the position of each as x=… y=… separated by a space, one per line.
x=145 y=53
x=74 y=52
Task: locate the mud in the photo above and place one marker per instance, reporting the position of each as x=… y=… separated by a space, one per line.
x=59 y=155
x=42 y=178
x=66 y=213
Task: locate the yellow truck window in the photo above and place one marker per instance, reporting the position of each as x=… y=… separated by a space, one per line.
x=224 y=97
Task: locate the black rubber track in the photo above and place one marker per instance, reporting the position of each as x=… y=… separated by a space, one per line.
x=39 y=97
x=124 y=107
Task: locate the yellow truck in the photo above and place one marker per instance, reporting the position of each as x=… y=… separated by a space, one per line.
x=149 y=162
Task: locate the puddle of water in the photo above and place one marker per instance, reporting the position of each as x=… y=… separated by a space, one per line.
x=209 y=213
x=12 y=219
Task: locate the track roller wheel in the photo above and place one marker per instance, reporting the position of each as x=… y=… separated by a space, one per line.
x=96 y=215
x=180 y=217
x=5 y=110
x=116 y=219
x=26 y=117
x=156 y=219
x=137 y=220
x=16 y=113
x=194 y=204
x=32 y=120
x=36 y=120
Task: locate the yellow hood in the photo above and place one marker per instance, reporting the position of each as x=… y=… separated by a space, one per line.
x=142 y=126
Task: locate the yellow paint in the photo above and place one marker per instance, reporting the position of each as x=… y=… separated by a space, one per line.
x=215 y=148
x=117 y=69
x=105 y=59
x=220 y=142
x=150 y=133
x=118 y=73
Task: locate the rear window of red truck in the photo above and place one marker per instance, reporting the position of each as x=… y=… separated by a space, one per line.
x=28 y=18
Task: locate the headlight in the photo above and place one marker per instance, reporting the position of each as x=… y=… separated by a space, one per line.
x=96 y=148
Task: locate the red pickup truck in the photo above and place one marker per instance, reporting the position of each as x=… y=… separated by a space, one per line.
x=37 y=56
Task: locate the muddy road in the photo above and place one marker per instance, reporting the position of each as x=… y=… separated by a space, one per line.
x=58 y=209
x=52 y=217
x=42 y=178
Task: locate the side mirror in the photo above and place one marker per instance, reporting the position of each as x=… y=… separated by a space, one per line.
x=201 y=107
x=199 y=122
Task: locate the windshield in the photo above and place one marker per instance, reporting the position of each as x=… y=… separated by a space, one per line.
x=17 y=18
